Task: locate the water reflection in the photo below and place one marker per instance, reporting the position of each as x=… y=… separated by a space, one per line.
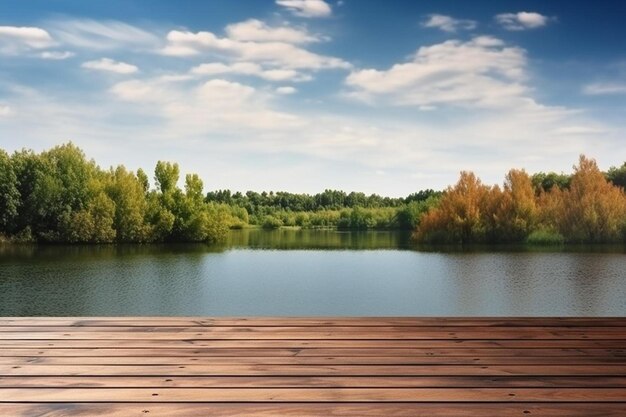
x=371 y=273
x=317 y=239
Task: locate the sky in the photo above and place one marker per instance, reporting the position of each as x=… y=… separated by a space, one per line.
x=386 y=97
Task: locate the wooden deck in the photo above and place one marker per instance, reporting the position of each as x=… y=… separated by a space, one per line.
x=304 y=367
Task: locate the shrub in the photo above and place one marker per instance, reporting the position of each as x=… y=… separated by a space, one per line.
x=545 y=237
x=271 y=222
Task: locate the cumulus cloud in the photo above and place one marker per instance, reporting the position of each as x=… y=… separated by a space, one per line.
x=286 y=90
x=249 y=68
x=4 y=110
x=56 y=55
x=272 y=52
x=102 y=35
x=14 y=39
x=306 y=8
x=109 y=65
x=521 y=20
x=214 y=105
x=605 y=88
x=483 y=72
x=448 y=24
x=258 y=31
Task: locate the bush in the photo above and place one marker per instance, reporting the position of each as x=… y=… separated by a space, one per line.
x=271 y=222
x=545 y=237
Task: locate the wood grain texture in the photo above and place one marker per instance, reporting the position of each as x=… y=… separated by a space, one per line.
x=305 y=367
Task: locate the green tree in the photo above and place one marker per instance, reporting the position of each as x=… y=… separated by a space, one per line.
x=166 y=176
x=9 y=195
x=127 y=192
x=617 y=176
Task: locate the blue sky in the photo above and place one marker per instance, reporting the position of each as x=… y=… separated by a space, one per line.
x=302 y=95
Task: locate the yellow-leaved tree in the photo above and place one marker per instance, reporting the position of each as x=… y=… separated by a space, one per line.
x=592 y=209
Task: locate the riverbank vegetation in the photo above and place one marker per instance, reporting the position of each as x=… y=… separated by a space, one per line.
x=331 y=208
x=61 y=196
x=586 y=207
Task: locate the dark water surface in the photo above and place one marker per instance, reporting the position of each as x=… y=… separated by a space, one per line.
x=302 y=273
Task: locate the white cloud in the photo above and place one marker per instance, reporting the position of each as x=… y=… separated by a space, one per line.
x=448 y=23
x=56 y=55
x=284 y=75
x=482 y=72
x=109 y=65
x=14 y=39
x=522 y=20
x=4 y=110
x=102 y=35
x=258 y=31
x=306 y=8
x=138 y=91
x=214 y=68
x=240 y=124
x=249 y=68
x=286 y=90
x=216 y=105
x=281 y=54
x=605 y=88
x=578 y=130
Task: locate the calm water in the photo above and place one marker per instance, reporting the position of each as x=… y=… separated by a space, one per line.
x=311 y=273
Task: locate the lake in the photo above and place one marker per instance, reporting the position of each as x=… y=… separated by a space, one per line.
x=311 y=273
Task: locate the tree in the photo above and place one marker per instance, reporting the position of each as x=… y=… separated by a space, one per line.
x=142 y=177
x=9 y=194
x=593 y=209
x=166 y=176
x=546 y=182
x=617 y=176
x=61 y=187
x=127 y=192
x=459 y=217
x=516 y=215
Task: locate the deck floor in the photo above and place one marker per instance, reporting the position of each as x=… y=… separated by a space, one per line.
x=304 y=367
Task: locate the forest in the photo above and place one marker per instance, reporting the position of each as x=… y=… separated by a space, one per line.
x=61 y=196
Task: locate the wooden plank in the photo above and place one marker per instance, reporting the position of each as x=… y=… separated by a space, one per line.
x=278 y=334
x=312 y=382
x=312 y=370
x=348 y=330
x=314 y=352
x=321 y=366
x=448 y=395
x=310 y=360
x=301 y=344
x=314 y=410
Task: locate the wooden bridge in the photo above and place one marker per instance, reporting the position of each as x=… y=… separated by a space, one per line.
x=305 y=367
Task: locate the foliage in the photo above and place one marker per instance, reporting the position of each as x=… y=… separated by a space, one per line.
x=546 y=182
x=585 y=208
x=592 y=209
x=9 y=194
x=271 y=222
x=545 y=237
x=61 y=196
x=460 y=216
x=617 y=176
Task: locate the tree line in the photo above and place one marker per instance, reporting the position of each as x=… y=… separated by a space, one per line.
x=331 y=208
x=60 y=195
x=588 y=206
